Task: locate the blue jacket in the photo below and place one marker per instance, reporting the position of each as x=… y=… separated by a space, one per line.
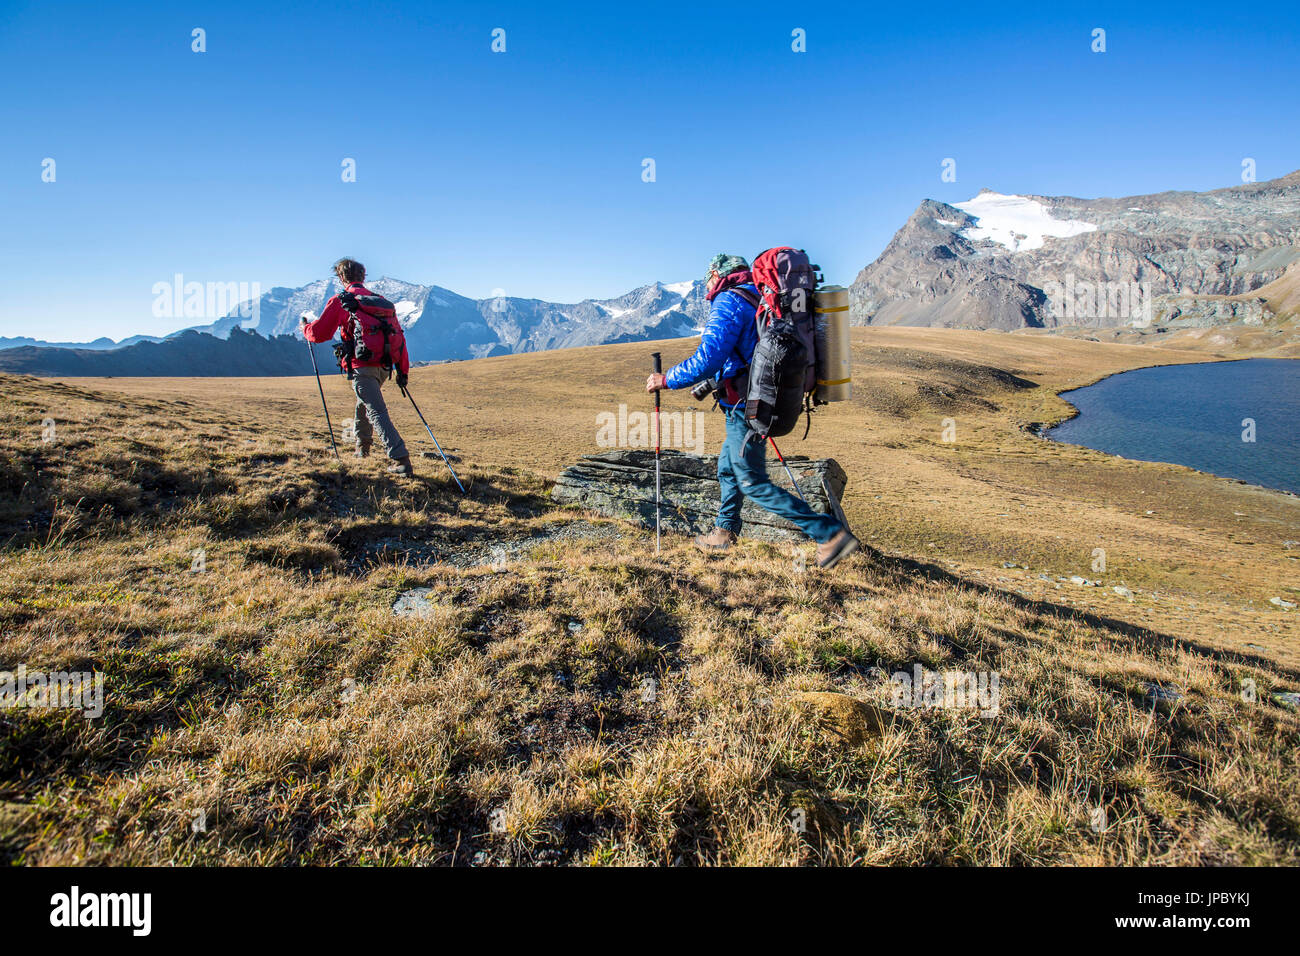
x=726 y=344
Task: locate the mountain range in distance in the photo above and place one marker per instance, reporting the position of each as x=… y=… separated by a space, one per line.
x=1171 y=260
x=440 y=325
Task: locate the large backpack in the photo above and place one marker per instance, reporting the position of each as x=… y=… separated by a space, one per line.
x=783 y=371
x=373 y=329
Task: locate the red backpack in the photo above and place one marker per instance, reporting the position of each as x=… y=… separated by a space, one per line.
x=372 y=326
x=783 y=371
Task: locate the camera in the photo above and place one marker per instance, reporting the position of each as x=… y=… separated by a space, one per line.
x=703 y=389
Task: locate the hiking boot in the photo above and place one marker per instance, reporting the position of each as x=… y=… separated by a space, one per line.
x=402 y=466
x=363 y=451
x=843 y=544
x=719 y=539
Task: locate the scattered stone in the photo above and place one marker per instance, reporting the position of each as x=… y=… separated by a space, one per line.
x=1008 y=564
x=621 y=483
x=1291 y=545
x=1156 y=692
x=1283 y=604
x=575 y=627
x=1123 y=592
x=1078 y=580
x=846 y=719
x=1288 y=699
x=414 y=603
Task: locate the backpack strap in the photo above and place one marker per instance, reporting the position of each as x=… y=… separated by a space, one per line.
x=753 y=300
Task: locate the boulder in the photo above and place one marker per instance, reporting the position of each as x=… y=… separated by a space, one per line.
x=845 y=719
x=621 y=483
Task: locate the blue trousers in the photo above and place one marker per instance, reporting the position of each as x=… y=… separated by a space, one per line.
x=742 y=472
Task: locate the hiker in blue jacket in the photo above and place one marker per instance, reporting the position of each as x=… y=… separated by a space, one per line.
x=726 y=347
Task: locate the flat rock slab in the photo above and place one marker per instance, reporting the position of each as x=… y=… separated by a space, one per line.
x=621 y=484
x=414 y=603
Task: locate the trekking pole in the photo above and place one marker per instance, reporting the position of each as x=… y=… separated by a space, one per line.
x=797 y=491
x=329 y=424
x=435 y=441
x=659 y=367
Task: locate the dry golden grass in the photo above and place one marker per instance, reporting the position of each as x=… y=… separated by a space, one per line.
x=594 y=704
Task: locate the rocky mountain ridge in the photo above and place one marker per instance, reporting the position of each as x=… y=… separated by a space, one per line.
x=1010 y=262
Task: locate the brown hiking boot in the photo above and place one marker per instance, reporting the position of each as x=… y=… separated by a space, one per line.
x=719 y=539
x=842 y=545
x=402 y=466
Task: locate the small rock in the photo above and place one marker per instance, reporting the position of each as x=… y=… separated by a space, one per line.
x=575 y=627
x=414 y=603
x=1156 y=692
x=1008 y=564
x=1288 y=699
x=846 y=719
x=1123 y=592
x=1283 y=604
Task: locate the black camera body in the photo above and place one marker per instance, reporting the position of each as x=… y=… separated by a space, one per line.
x=703 y=389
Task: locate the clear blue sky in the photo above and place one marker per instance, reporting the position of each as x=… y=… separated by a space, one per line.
x=522 y=171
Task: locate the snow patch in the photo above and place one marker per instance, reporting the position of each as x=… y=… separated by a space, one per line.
x=1017 y=222
x=681 y=288
x=408 y=313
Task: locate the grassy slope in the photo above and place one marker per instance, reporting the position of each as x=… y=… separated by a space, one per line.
x=525 y=691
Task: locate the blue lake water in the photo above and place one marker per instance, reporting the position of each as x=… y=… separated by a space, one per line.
x=1193 y=414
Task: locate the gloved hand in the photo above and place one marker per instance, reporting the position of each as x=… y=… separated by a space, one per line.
x=401 y=380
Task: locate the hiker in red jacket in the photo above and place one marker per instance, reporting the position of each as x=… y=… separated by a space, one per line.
x=366 y=357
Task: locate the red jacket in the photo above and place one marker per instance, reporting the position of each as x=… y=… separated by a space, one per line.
x=335 y=317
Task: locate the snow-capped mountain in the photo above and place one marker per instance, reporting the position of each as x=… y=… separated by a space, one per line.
x=440 y=324
x=1008 y=262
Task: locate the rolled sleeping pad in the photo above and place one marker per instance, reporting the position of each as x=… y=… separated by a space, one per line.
x=831 y=328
